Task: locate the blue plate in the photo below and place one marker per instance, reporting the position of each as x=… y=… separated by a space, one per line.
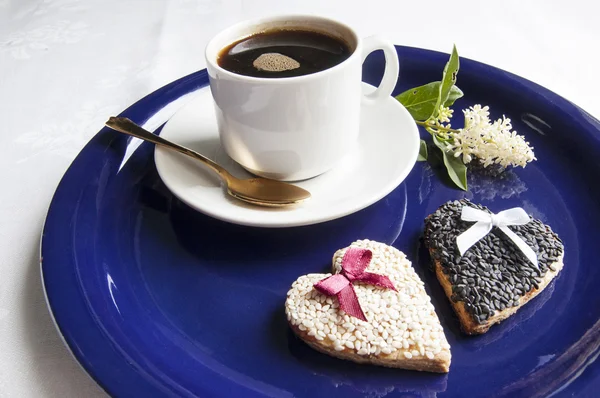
x=155 y=299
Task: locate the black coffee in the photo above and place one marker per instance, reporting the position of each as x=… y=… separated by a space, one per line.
x=283 y=53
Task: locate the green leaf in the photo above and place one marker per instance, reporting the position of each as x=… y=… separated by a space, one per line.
x=448 y=80
x=421 y=101
x=422 y=152
x=455 y=93
x=457 y=171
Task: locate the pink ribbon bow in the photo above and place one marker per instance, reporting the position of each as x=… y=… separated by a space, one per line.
x=354 y=263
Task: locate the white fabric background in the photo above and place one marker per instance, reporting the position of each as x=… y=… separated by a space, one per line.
x=66 y=65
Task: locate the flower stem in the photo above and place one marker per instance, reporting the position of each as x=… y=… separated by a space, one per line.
x=437 y=127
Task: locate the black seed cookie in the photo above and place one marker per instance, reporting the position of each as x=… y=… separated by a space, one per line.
x=494 y=278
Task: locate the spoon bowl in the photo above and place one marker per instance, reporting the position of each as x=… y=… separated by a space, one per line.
x=265 y=192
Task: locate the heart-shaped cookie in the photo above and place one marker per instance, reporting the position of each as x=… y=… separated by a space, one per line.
x=494 y=277
x=401 y=329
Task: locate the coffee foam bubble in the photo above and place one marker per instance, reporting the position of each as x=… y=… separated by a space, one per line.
x=275 y=62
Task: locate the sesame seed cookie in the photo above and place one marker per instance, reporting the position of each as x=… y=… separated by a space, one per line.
x=401 y=329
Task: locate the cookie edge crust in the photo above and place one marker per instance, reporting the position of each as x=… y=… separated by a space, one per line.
x=468 y=324
x=439 y=364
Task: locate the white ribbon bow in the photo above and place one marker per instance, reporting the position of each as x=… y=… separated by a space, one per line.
x=485 y=223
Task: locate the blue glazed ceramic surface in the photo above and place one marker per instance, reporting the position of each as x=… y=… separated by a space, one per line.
x=155 y=299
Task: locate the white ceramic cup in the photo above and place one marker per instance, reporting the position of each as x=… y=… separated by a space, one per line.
x=294 y=128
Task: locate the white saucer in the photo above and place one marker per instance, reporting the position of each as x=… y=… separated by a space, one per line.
x=386 y=152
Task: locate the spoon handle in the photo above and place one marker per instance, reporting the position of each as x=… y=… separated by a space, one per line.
x=126 y=126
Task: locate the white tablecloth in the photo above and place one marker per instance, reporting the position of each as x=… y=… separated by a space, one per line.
x=66 y=65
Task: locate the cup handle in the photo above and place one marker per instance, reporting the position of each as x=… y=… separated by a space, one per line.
x=392 y=67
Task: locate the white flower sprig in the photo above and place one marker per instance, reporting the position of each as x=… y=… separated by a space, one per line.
x=481 y=139
x=490 y=142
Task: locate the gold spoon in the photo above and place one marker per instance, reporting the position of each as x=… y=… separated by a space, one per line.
x=258 y=191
